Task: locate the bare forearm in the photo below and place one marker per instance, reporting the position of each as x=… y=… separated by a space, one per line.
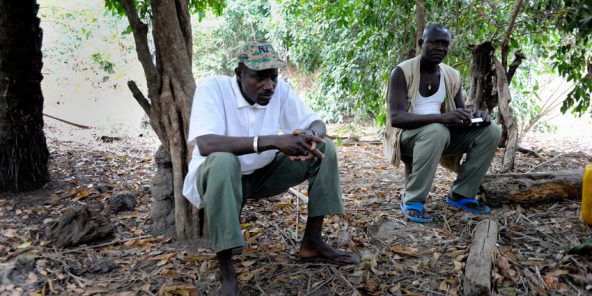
x=405 y=120
x=209 y=144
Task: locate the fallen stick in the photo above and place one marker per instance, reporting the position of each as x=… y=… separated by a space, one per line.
x=115 y=242
x=297 y=193
x=481 y=253
x=68 y=122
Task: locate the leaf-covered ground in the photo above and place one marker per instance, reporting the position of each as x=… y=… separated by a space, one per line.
x=397 y=257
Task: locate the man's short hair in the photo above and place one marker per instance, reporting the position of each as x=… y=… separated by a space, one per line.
x=436 y=27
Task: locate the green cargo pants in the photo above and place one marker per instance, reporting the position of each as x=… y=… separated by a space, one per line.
x=427 y=144
x=223 y=188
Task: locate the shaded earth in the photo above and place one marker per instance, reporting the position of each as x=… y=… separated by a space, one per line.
x=397 y=257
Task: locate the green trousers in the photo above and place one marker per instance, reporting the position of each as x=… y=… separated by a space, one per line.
x=223 y=188
x=427 y=144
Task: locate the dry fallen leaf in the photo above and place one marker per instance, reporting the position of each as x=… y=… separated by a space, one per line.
x=199 y=258
x=557 y=272
x=506 y=269
x=395 y=288
x=406 y=251
x=443 y=286
x=178 y=290
x=248 y=263
x=24 y=245
x=82 y=194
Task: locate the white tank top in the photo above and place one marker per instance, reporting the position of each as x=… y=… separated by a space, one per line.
x=431 y=104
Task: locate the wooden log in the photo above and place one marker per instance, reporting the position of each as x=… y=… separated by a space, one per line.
x=538 y=187
x=477 y=279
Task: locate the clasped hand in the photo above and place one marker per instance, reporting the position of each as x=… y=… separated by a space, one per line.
x=301 y=145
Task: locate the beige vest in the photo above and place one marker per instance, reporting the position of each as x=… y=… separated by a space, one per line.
x=411 y=70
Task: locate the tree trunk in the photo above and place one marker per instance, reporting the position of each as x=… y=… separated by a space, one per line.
x=509 y=73
x=508 y=118
x=170 y=88
x=23 y=148
x=163 y=195
x=481 y=96
x=419 y=23
x=533 y=187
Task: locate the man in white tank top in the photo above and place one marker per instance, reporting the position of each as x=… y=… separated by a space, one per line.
x=428 y=120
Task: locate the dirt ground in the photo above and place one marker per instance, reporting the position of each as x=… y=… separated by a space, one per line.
x=397 y=257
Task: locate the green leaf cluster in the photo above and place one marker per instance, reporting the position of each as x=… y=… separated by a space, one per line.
x=573 y=54
x=197 y=7
x=217 y=40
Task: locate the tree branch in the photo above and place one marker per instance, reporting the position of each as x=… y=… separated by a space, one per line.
x=139 y=96
x=518 y=57
x=506 y=42
x=140 y=31
x=68 y=122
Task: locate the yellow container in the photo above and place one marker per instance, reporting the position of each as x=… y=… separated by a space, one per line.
x=587 y=195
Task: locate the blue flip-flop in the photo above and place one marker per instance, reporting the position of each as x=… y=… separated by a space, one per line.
x=416 y=206
x=463 y=205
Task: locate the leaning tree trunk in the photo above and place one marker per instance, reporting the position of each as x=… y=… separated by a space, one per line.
x=170 y=89
x=485 y=97
x=23 y=149
x=419 y=23
x=508 y=117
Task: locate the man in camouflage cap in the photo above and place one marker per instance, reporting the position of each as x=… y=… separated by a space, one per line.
x=255 y=138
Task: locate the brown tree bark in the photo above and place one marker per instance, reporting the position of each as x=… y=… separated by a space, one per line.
x=503 y=92
x=170 y=89
x=527 y=188
x=419 y=23
x=505 y=47
x=23 y=148
x=481 y=95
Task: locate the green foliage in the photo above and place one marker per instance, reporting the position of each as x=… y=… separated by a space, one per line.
x=217 y=41
x=84 y=39
x=584 y=249
x=102 y=60
x=199 y=7
x=573 y=55
x=350 y=46
x=353 y=45
x=535 y=100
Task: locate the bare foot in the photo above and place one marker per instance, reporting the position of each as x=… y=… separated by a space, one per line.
x=320 y=252
x=417 y=214
x=479 y=206
x=229 y=285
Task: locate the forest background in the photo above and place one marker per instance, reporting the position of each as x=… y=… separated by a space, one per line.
x=340 y=57
x=340 y=54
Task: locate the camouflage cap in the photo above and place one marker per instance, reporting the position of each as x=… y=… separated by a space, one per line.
x=260 y=56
